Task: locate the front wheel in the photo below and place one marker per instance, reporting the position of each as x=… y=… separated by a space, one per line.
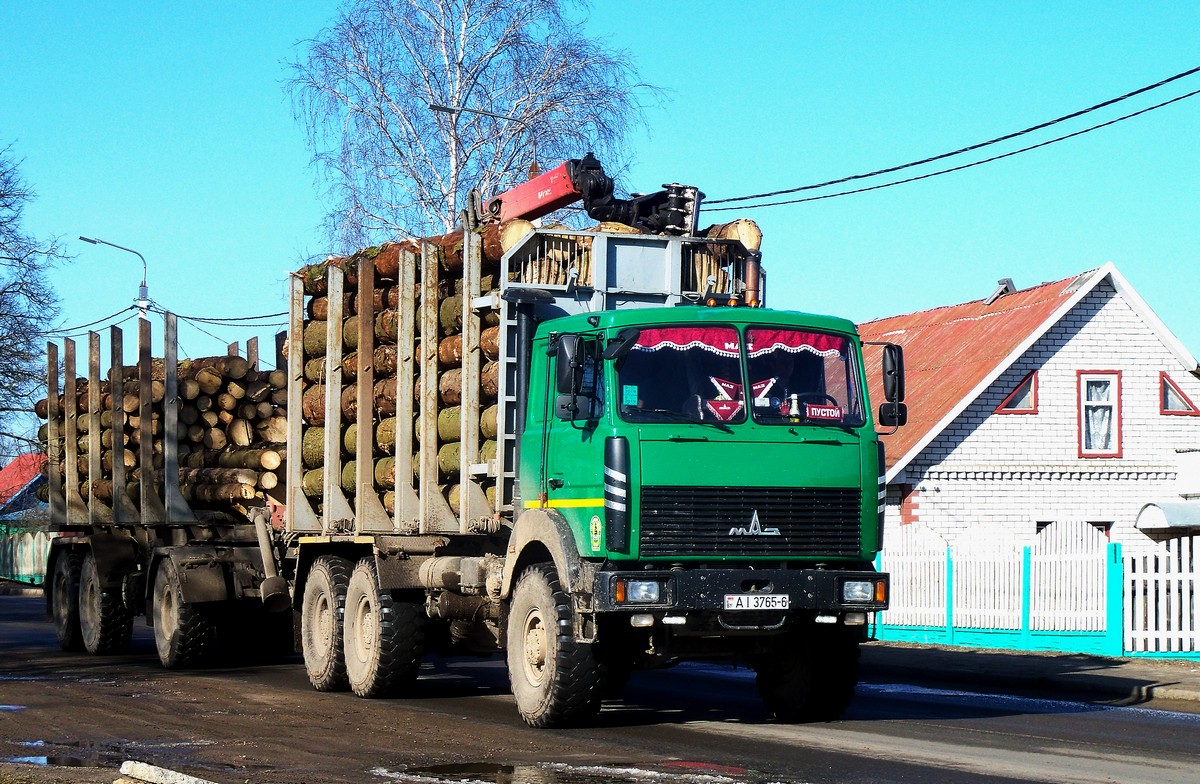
x=556 y=680
x=383 y=637
x=64 y=605
x=105 y=622
x=184 y=636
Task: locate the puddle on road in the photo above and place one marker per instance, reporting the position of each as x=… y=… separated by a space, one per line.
x=69 y=754
x=11 y=708
x=60 y=761
x=562 y=773
x=84 y=753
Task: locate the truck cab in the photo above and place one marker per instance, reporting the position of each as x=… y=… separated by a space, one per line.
x=716 y=474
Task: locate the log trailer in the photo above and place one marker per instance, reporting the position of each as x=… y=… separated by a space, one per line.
x=595 y=451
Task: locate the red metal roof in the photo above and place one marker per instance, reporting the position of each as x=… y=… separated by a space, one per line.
x=948 y=351
x=19 y=473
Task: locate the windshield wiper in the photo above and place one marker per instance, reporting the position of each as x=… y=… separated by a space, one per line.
x=679 y=417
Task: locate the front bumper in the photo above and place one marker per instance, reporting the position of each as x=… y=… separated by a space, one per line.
x=816 y=590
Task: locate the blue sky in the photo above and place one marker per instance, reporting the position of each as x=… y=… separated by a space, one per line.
x=164 y=127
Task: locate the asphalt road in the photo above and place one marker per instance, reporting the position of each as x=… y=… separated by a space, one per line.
x=75 y=718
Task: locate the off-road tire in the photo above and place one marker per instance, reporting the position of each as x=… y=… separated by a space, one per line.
x=106 y=624
x=383 y=637
x=64 y=602
x=556 y=681
x=184 y=635
x=811 y=680
x=322 y=619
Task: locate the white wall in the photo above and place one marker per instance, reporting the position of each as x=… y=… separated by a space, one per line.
x=991 y=474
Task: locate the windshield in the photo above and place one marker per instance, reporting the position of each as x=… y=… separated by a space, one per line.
x=797 y=375
x=691 y=374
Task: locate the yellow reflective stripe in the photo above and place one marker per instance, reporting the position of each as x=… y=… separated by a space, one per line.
x=559 y=503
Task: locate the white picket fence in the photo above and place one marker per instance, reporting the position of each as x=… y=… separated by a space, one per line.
x=23 y=556
x=916 y=561
x=987 y=585
x=1160 y=598
x=1067 y=579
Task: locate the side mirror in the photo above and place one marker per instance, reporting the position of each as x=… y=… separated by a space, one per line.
x=893 y=414
x=893 y=373
x=571 y=354
x=621 y=344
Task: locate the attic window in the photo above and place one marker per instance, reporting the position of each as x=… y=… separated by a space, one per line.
x=1172 y=400
x=1099 y=413
x=1023 y=398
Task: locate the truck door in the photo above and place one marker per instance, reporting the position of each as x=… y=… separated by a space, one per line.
x=573 y=480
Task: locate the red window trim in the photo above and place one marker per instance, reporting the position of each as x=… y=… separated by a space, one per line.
x=1117 y=439
x=1163 y=380
x=1000 y=409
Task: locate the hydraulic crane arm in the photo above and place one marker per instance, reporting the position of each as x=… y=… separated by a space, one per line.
x=673 y=210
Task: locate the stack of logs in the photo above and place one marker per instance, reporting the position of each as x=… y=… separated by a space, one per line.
x=232 y=425
x=555 y=259
x=385 y=315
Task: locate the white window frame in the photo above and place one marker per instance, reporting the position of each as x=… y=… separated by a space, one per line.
x=1085 y=406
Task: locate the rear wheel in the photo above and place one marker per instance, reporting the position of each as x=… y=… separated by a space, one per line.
x=184 y=635
x=64 y=605
x=383 y=637
x=556 y=680
x=810 y=680
x=322 y=621
x=106 y=625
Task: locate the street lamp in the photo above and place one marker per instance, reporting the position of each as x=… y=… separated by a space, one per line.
x=534 y=170
x=143 y=297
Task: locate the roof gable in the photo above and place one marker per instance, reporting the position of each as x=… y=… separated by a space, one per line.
x=15 y=476
x=953 y=354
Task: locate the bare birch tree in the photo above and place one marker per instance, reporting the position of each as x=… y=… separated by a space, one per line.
x=28 y=305
x=394 y=167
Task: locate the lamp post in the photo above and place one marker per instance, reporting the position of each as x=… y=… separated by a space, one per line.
x=534 y=170
x=143 y=298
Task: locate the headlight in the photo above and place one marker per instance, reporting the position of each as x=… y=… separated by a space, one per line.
x=858 y=591
x=637 y=591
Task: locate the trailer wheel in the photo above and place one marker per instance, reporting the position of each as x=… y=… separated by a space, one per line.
x=321 y=623
x=64 y=606
x=183 y=634
x=812 y=681
x=556 y=680
x=384 y=636
x=106 y=624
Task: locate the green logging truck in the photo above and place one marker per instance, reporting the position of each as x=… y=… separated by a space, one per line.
x=596 y=451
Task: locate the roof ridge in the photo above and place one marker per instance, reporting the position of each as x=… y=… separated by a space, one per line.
x=1073 y=280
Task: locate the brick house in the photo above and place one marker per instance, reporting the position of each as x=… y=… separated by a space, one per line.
x=1067 y=401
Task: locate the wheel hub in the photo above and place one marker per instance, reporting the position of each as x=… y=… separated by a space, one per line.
x=535 y=645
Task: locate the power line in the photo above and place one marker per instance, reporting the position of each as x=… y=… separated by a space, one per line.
x=114 y=324
x=62 y=330
x=970 y=148
x=219 y=321
x=965 y=165
x=202 y=329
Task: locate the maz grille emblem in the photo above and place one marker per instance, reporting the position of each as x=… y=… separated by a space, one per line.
x=755 y=528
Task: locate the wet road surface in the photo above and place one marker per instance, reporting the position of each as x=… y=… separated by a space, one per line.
x=74 y=718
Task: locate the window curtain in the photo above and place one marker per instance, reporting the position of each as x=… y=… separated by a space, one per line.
x=1098 y=419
